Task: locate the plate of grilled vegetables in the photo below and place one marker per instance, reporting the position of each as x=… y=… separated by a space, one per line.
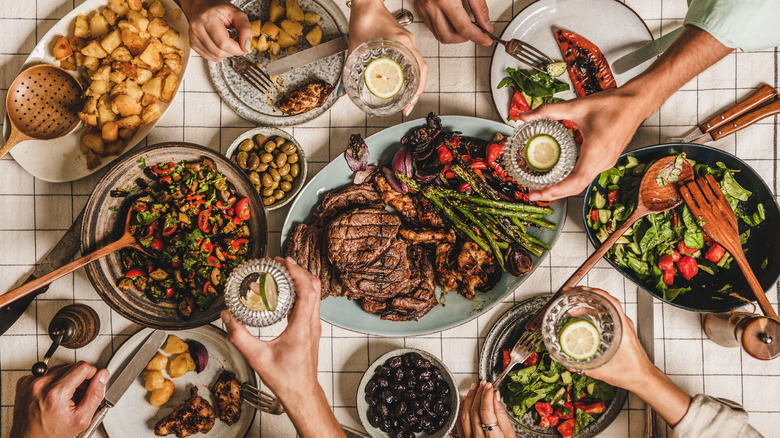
x=418 y=228
x=192 y=385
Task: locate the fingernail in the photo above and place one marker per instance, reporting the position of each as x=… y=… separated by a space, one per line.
x=248 y=45
x=103 y=377
x=225 y=315
x=340 y=90
x=410 y=107
x=290 y=260
x=489 y=385
x=473 y=385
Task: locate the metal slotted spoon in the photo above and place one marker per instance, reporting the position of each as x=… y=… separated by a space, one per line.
x=42 y=103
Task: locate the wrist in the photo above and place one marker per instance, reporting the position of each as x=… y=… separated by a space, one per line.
x=362 y=4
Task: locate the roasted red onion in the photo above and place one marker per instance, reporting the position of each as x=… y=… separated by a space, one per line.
x=402 y=161
x=357 y=154
x=199 y=354
x=362 y=175
x=398 y=186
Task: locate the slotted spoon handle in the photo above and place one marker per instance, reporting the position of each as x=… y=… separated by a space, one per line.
x=15 y=138
x=758 y=291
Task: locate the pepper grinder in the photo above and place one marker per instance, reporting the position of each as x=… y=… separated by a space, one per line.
x=74 y=326
x=758 y=335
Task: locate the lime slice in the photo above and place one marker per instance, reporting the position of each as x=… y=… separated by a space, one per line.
x=384 y=78
x=580 y=339
x=556 y=69
x=542 y=152
x=264 y=294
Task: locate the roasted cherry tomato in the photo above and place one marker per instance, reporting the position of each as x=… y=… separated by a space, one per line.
x=170 y=292
x=238 y=244
x=134 y=273
x=206 y=247
x=213 y=262
x=157 y=244
x=226 y=205
x=169 y=231
x=445 y=156
x=162 y=169
x=204 y=223
x=242 y=209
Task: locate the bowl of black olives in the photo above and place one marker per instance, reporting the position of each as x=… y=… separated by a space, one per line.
x=407 y=393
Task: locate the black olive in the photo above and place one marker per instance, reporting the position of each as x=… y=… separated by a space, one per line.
x=408 y=434
x=410 y=395
x=426 y=423
x=371 y=400
x=410 y=419
x=425 y=387
x=414 y=405
x=387 y=396
x=441 y=421
x=426 y=404
x=399 y=409
x=395 y=422
x=442 y=388
x=438 y=407
x=397 y=433
x=386 y=425
x=371 y=387
x=394 y=362
x=424 y=375
x=446 y=412
x=382 y=382
x=374 y=420
x=382 y=410
x=435 y=372
x=397 y=374
x=410 y=381
x=383 y=371
x=417 y=427
x=398 y=388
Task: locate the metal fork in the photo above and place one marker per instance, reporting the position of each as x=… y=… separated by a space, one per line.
x=252 y=74
x=521 y=51
x=523 y=348
x=261 y=399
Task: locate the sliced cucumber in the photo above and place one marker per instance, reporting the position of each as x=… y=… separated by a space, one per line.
x=599 y=201
x=633 y=247
x=604 y=215
x=631 y=162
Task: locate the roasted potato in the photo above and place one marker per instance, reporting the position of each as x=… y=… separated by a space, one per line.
x=256 y=26
x=158 y=362
x=153 y=379
x=115 y=147
x=286 y=40
x=68 y=63
x=62 y=48
x=109 y=131
x=181 y=365
x=158 y=27
x=151 y=56
x=98 y=26
x=260 y=44
x=275 y=11
x=94 y=141
x=121 y=54
x=96 y=88
x=110 y=16
x=134 y=42
x=81 y=29
x=157 y=9
x=170 y=38
x=153 y=87
x=160 y=396
x=294 y=12
x=111 y=41
x=314 y=37
x=294 y=28
x=310 y=18
x=129 y=122
x=92 y=160
x=135 y=5
x=169 y=87
x=173 y=61
x=94 y=49
x=119 y=7
x=138 y=21
x=271 y=30
x=143 y=75
x=151 y=113
x=174 y=345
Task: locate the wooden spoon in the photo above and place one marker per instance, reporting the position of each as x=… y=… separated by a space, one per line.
x=652 y=198
x=126 y=241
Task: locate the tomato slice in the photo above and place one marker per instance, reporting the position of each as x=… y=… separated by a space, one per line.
x=206 y=247
x=533 y=359
x=213 y=262
x=566 y=429
x=242 y=209
x=544 y=409
x=169 y=231
x=157 y=244
x=135 y=272
x=517 y=105
x=587 y=66
x=238 y=244
x=203 y=221
x=506 y=358
x=169 y=292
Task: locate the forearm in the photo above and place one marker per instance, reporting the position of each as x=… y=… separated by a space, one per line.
x=663 y=395
x=691 y=53
x=311 y=415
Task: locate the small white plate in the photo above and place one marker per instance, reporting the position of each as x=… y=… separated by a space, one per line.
x=60 y=160
x=134 y=416
x=612 y=26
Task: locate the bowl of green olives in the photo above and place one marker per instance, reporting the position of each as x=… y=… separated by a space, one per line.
x=273 y=161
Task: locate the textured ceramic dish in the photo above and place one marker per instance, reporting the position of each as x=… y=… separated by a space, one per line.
x=536 y=23
x=257 y=107
x=102 y=225
x=363 y=407
x=270 y=132
x=762 y=244
x=134 y=413
x=504 y=333
x=458 y=310
x=60 y=160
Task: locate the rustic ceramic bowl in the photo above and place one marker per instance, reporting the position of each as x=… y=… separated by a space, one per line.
x=104 y=219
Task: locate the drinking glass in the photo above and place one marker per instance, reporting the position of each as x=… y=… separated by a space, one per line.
x=515 y=164
x=238 y=287
x=355 y=83
x=582 y=304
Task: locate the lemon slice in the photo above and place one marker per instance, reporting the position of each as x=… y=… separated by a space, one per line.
x=542 y=152
x=263 y=295
x=580 y=339
x=384 y=77
x=556 y=69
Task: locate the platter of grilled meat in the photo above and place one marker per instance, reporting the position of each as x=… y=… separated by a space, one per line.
x=390 y=261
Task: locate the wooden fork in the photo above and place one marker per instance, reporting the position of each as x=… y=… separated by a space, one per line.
x=709 y=205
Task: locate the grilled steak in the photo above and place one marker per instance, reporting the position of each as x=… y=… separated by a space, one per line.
x=356 y=195
x=359 y=238
x=420 y=294
x=195 y=416
x=384 y=278
x=227 y=393
x=313 y=245
x=305 y=98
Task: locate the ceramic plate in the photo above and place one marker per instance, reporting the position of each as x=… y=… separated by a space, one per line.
x=457 y=309
x=761 y=245
x=102 y=226
x=504 y=334
x=611 y=25
x=255 y=106
x=363 y=407
x=133 y=415
x=60 y=160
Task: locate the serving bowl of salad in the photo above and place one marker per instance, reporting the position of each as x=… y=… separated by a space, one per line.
x=668 y=254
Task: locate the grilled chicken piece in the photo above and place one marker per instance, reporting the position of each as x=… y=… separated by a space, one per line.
x=427 y=213
x=400 y=201
x=305 y=98
x=227 y=393
x=195 y=416
x=427 y=236
x=466 y=270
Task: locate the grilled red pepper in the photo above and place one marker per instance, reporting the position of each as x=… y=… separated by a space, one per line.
x=688 y=267
x=566 y=429
x=505 y=358
x=533 y=359
x=588 y=68
x=715 y=253
x=517 y=106
x=478 y=164
x=464 y=188
x=445 y=156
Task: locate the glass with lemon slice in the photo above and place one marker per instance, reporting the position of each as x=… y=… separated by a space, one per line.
x=259 y=293
x=582 y=329
x=381 y=77
x=540 y=153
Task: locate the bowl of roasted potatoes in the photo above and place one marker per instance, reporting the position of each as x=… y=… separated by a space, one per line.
x=273 y=161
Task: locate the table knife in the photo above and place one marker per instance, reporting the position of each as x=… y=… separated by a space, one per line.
x=736 y=117
x=125 y=377
x=644 y=53
x=59 y=255
x=645 y=325
x=329 y=48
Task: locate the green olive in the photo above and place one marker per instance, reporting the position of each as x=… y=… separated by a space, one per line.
x=281 y=160
x=260 y=139
x=285 y=186
x=287 y=178
x=253 y=161
x=269 y=146
x=234 y=159
x=267 y=180
x=275 y=174
x=293 y=158
x=269 y=200
x=246 y=145
x=254 y=177
x=278 y=194
x=242 y=157
x=289 y=148
x=262 y=167
x=268 y=191
x=294 y=169
x=280 y=140
x=284 y=170
x=273 y=165
x=266 y=157
x=258 y=188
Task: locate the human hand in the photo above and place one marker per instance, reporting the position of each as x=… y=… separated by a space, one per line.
x=209 y=23
x=607 y=121
x=370 y=19
x=481 y=406
x=450 y=23
x=49 y=406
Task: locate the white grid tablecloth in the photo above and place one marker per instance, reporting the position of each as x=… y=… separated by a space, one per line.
x=34 y=214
